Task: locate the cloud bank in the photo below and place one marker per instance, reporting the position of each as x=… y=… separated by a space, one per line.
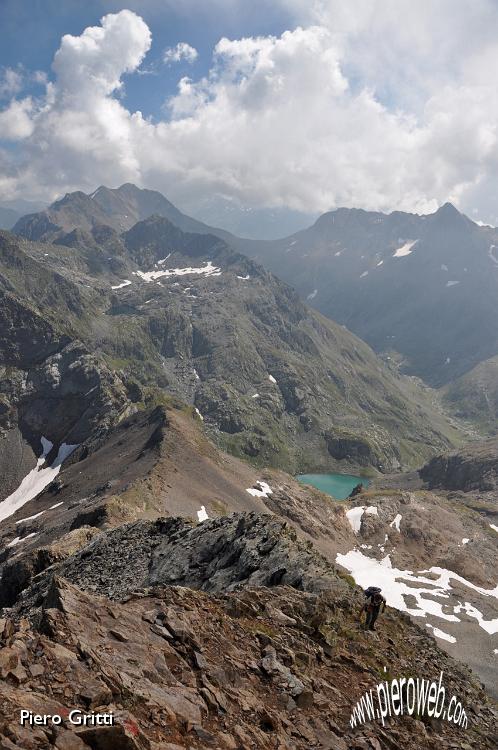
x=390 y=105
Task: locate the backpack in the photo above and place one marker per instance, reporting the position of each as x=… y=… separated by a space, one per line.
x=371 y=590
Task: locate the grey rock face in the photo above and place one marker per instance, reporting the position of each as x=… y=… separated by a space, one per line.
x=474 y=467
x=217 y=555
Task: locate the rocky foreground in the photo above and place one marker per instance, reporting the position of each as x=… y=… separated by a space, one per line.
x=229 y=634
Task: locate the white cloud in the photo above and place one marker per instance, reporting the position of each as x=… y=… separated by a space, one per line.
x=182 y=51
x=15 y=120
x=385 y=105
x=10 y=82
x=94 y=62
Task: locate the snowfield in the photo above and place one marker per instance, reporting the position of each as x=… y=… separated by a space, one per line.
x=396 y=584
x=207 y=270
x=37 y=479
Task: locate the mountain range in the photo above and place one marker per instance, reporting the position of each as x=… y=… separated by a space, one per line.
x=159 y=388
x=399 y=281
x=420 y=289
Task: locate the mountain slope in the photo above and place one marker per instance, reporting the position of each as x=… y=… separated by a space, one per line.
x=420 y=288
x=474 y=396
x=263 y=647
x=184 y=313
x=398 y=281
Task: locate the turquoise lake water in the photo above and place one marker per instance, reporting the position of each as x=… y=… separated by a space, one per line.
x=337 y=486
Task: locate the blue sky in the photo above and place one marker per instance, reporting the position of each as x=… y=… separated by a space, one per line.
x=276 y=111
x=44 y=22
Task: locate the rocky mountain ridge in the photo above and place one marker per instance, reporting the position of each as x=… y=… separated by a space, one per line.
x=266 y=666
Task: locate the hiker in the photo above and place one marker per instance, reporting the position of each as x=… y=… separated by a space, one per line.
x=372 y=606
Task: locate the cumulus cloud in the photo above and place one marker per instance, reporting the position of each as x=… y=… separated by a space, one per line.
x=182 y=51
x=95 y=61
x=341 y=110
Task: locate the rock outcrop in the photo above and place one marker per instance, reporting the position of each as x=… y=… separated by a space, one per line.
x=474 y=467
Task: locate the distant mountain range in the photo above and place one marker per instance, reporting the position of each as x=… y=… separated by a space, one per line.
x=12 y=210
x=421 y=290
x=119 y=208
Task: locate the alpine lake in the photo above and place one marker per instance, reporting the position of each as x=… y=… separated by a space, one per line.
x=338 y=486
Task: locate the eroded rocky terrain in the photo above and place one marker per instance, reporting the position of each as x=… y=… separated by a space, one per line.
x=277 y=661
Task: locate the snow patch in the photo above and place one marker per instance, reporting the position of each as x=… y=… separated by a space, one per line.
x=397 y=520
x=271 y=379
x=465 y=540
x=380 y=263
x=260 y=489
x=405 y=249
x=30 y=518
x=202 y=514
x=490 y=626
x=441 y=634
x=37 y=479
x=313 y=294
x=207 y=270
x=495 y=528
x=244 y=278
x=366 y=569
x=452 y=283
x=365 y=273
x=18 y=539
x=126 y=282
x=354 y=515
x=163 y=260
x=199 y=414
x=393 y=583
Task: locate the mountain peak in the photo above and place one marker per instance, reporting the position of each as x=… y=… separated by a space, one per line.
x=447 y=209
x=447 y=216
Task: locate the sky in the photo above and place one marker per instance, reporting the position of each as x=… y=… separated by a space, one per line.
x=242 y=111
